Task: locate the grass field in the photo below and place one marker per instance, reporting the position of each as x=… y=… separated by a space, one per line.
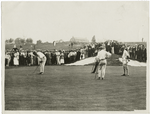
x=73 y=88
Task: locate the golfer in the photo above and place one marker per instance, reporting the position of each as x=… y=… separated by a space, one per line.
x=125 y=60
x=42 y=59
x=101 y=58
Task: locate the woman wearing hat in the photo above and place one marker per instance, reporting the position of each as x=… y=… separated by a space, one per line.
x=16 y=58
x=101 y=58
x=7 y=57
x=58 y=57
x=62 y=57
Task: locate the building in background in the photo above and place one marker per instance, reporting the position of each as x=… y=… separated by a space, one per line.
x=79 y=40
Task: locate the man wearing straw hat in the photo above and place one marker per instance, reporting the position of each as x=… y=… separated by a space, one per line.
x=101 y=58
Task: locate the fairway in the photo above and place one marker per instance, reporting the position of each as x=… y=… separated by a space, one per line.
x=73 y=88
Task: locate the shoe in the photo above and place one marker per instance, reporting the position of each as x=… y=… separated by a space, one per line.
x=41 y=73
x=102 y=78
x=123 y=75
x=98 y=78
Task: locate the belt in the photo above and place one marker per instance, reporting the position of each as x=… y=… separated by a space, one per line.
x=43 y=57
x=102 y=59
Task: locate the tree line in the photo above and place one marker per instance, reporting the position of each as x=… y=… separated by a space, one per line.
x=19 y=41
x=30 y=40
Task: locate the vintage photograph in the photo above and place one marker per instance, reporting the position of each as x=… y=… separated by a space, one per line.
x=75 y=55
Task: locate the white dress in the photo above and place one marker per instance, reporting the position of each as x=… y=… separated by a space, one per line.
x=62 y=58
x=16 y=60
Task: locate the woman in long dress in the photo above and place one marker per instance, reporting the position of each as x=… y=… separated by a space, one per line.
x=16 y=58
x=62 y=58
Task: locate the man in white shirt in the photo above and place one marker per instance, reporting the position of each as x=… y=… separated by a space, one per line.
x=101 y=58
x=125 y=61
x=42 y=59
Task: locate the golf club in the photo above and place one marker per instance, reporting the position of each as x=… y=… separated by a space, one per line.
x=93 y=67
x=33 y=71
x=96 y=72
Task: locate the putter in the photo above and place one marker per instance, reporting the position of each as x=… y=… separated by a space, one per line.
x=33 y=71
x=95 y=75
x=96 y=72
x=93 y=67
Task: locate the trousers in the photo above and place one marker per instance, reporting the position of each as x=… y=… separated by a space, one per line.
x=101 y=71
x=43 y=64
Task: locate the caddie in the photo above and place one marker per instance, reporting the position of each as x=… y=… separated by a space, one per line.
x=42 y=59
x=101 y=58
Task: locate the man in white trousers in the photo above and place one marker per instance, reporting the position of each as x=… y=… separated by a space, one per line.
x=125 y=60
x=42 y=59
x=101 y=58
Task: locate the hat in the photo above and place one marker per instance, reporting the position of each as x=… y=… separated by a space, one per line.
x=101 y=47
x=35 y=52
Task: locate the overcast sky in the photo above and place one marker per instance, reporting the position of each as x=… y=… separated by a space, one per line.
x=50 y=21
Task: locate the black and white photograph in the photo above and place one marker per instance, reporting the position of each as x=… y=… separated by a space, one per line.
x=75 y=56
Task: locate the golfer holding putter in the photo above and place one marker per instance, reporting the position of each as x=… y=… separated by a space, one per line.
x=125 y=60
x=42 y=59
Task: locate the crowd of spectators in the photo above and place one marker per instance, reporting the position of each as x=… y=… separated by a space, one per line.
x=21 y=57
x=137 y=51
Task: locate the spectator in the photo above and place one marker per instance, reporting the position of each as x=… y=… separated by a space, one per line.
x=16 y=58
x=74 y=55
x=28 y=58
x=25 y=58
x=78 y=55
x=58 y=57
x=7 y=58
x=66 y=58
x=130 y=52
x=145 y=55
x=112 y=47
x=71 y=56
x=62 y=57
x=49 y=57
x=31 y=57
x=134 y=52
x=53 y=55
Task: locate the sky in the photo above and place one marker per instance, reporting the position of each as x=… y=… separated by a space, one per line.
x=51 y=21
